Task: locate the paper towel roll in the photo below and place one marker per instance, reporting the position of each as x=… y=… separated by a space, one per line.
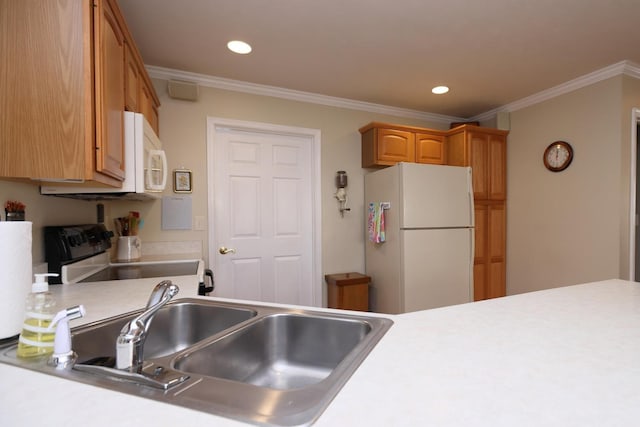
x=15 y=274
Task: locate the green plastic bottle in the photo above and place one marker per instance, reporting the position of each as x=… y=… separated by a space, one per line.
x=36 y=339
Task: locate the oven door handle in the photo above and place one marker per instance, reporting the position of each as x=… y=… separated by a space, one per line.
x=203 y=289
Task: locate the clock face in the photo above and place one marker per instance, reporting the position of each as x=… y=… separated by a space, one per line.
x=558 y=156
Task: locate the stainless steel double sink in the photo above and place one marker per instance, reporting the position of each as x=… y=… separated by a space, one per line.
x=258 y=364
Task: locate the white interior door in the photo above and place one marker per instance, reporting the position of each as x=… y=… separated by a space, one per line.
x=263 y=241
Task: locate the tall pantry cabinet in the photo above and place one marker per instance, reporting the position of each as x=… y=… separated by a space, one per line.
x=485 y=151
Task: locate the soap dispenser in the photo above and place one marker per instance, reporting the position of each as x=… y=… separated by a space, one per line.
x=36 y=339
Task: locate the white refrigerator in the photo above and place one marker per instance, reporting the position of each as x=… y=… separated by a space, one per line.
x=426 y=260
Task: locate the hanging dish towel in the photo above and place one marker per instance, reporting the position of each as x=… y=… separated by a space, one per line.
x=375 y=223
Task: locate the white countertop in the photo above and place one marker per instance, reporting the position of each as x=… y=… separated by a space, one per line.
x=562 y=357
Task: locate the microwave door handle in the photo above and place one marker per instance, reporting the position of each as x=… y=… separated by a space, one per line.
x=163 y=156
x=152 y=185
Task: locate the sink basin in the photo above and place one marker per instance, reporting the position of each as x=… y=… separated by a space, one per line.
x=174 y=328
x=259 y=364
x=280 y=351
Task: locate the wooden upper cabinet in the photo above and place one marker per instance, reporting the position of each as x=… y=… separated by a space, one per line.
x=149 y=106
x=395 y=146
x=430 y=148
x=46 y=92
x=110 y=92
x=385 y=145
x=131 y=80
x=478 y=161
x=484 y=150
x=140 y=95
x=64 y=87
x=497 y=167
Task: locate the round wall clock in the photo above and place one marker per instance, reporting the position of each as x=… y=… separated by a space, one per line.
x=558 y=155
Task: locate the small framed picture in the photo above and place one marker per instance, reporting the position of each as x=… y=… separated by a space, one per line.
x=182 y=181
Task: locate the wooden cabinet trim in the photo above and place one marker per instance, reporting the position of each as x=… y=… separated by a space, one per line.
x=415 y=129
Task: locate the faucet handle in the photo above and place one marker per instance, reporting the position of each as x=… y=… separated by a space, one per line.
x=161 y=291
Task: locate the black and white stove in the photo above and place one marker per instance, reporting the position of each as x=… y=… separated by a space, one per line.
x=78 y=254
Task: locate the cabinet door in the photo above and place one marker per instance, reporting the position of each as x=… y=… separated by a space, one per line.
x=109 y=93
x=430 y=148
x=147 y=107
x=45 y=110
x=497 y=161
x=131 y=80
x=490 y=251
x=478 y=147
x=395 y=146
x=496 y=221
x=480 y=259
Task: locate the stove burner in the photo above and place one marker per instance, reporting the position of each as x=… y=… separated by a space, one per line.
x=143 y=271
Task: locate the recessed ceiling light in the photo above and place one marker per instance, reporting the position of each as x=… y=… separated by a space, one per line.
x=238 y=46
x=439 y=90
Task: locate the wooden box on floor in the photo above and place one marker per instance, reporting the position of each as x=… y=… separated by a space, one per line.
x=348 y=291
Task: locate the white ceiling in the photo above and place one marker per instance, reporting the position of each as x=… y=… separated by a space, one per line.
x=490 y=53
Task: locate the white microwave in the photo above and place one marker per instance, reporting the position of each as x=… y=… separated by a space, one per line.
x=145 y=165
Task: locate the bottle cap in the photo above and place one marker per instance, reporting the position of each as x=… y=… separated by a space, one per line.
x=41 y=284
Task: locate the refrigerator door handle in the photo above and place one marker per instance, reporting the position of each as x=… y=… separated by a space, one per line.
x=472 y=255
x=471 y=201
x=472 y=236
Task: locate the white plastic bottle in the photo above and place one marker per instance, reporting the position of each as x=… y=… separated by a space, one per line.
x=36 y=339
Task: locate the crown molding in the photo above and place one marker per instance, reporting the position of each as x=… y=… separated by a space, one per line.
x=623 y=67
x=294 y=95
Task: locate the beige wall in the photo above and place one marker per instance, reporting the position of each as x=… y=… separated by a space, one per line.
x=570 y=227
x=630 y=100
x=46 y=210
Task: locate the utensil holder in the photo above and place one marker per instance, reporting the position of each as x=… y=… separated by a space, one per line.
x=129 y=248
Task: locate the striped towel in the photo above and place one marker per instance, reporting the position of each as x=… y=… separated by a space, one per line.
x=375 y=223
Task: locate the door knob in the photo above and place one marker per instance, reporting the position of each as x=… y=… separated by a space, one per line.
x=225 y=251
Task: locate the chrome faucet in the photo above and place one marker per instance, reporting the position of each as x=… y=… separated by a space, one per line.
x=130 y=343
